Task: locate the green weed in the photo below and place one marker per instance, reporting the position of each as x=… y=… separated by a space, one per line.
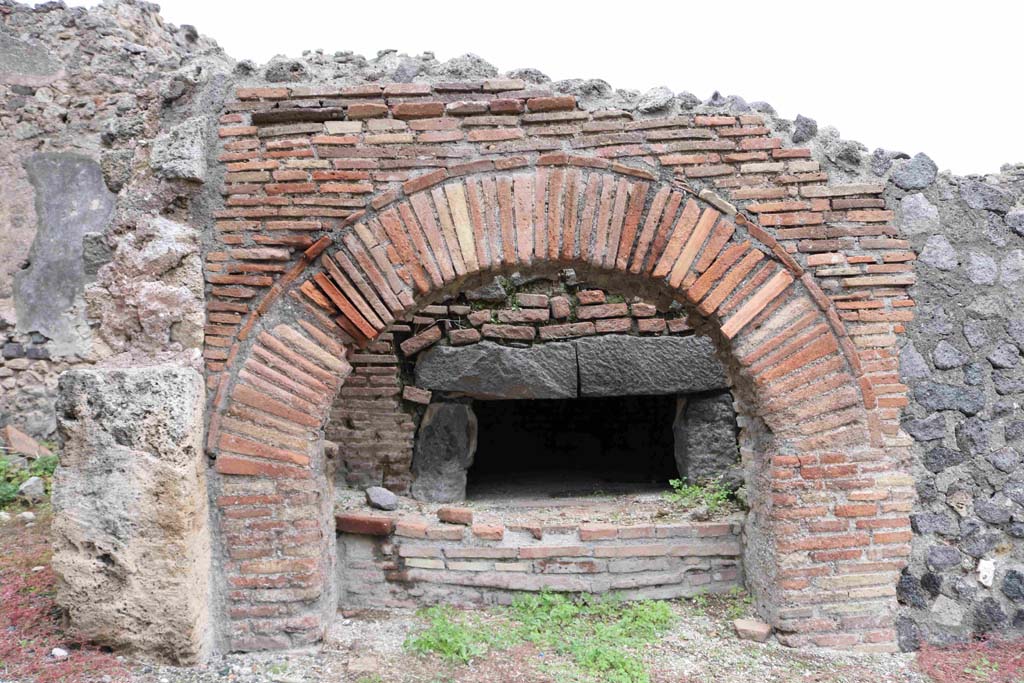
x=712 y=494
x=602 y=638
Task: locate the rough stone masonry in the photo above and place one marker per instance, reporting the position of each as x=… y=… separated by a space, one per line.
x=261 y=228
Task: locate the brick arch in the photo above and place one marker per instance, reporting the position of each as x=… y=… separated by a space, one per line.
x=822 y=551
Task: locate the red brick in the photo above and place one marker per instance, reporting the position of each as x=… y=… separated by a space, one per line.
x=230 y=464
x=512 y=332
x=489 y=532
x=567 y=330
x=414 y=345
x=455 y=515
x=417 y=110
x=560 y=103
x=650 y=325
x=365 y=524
x=856 y=510
x=560 y=307
x=463 y=337
x=368 y=110
x=596 y=532
x=613 y=325
x=602 y=311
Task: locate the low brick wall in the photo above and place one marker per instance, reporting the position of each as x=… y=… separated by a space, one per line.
x=411 y=561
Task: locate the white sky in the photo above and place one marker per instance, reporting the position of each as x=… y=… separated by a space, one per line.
x=940 y=77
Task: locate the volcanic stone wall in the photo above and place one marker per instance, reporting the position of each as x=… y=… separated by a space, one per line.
x=76 y=86
x=962 y=360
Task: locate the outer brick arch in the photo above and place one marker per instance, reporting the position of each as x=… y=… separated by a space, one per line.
x=823 y=545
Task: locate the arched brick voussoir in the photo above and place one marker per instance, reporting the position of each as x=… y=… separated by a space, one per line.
x=269 y=423
x=575 y=211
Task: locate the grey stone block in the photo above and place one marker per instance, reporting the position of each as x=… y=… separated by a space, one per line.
x=491 y=371
x=705 y=439
x=26 y=64
x=71 y=200
x=445 y=447
x=621 y=365
x=180 y=153
x=939 y=396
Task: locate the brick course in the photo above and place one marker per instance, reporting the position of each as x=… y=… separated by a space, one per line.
x=488 y=568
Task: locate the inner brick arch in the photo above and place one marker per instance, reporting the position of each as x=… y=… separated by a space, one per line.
x=820 y=547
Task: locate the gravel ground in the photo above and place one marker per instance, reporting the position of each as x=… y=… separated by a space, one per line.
x=367 y=647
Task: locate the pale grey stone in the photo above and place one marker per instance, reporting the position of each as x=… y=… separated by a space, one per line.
x=32 y=490
x=918 y=214
x=283 y=70
x=1015 y=328
x=947 y=612
x=467 y=67
x=930 y=428
x=116 y=165
x=1004 y=355
x=1005 y=459
x=381 y=498
x=1012 y=269
x=975 y=333
x=981 y=195
x=934 y=523
x=687 y=101
x=946 y=356
x=26 y=64
x=1015 y=221
x=943 y=557
x=981 y=268
x=916 y=174
x=912 y=363
x=994 y=510
x=973 y=436
x=939 y=253
x=655 y=100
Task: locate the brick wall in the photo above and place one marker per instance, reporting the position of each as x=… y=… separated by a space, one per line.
x=347 y=209
x=406 y=561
